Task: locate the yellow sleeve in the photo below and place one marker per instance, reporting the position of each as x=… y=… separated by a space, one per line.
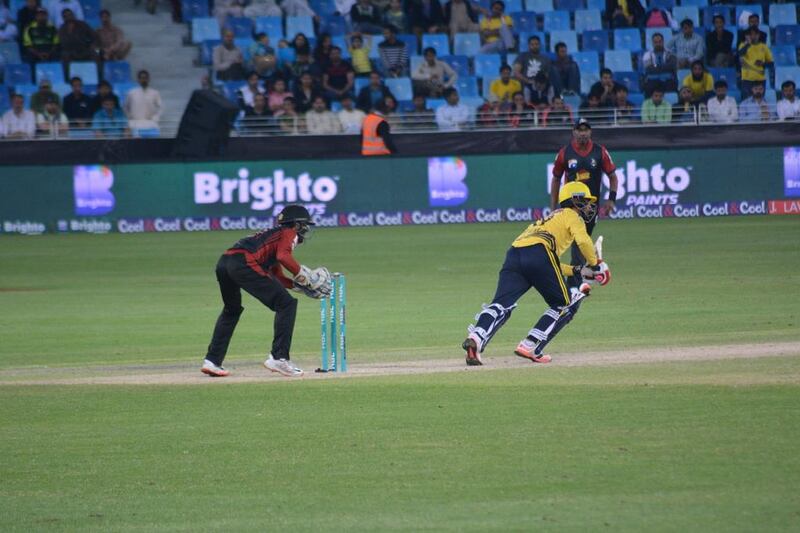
x=709 y=85
x=508 y=21
x=567 y=270
x=26 y=38
x=687 y=80
x=495 y=89
x=484 y=24
x=582 y=239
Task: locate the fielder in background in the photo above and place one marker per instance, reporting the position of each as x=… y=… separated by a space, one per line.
x=585 y=162
x=376 y=137
x=532 y=261
x=256 y=264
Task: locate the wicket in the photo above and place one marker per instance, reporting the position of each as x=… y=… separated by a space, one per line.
x=333 y=317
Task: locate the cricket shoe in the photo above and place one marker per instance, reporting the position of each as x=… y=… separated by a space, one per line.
x=526 y=349
x=471 y=347
x=215 y=371
x=283 y=367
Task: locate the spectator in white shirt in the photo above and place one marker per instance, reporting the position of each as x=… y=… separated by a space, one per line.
x=143 y=104
x=247 y=92
x=433 y=76
x=320 y=120
x=51 y=121
x=18 y=122
x=8 y=30
x=453 y=115
x=55 y=8
x=789 y=105
x=350 y=116
x=722 y=108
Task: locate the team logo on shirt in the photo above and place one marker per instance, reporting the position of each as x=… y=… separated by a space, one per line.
x=593 y=162
x=572 y=164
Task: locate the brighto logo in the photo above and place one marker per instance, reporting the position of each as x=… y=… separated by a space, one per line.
x=262 y=192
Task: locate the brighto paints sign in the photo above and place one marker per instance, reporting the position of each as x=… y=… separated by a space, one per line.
x=261 y=193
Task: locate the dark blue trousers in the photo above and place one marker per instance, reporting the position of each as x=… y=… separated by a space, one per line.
x=532 y=266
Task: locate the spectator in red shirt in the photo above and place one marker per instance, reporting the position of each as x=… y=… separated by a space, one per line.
x=338 y=76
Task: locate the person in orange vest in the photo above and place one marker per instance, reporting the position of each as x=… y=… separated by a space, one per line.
x=376 y=138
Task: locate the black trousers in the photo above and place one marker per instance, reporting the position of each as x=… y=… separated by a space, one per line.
x=233 y=274
x=577 y=256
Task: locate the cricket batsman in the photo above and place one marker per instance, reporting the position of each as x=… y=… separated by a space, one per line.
x=256 y=264
x=532 y=261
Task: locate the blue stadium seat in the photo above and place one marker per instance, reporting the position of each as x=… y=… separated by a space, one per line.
x=416 y=61
x=682 y=73
x=341 y=42
x=400 y=87
x=787 y=34
x=467 y=86
x=628 y=39
x=117 y=71
x=272 y=26
x=671 y=98
x=629 y=80
x=359 y=84
x=434 y=103
x=192 y=9
x=17 y=73
x=666 y=33
x=487 y=65
x=242 y=27
x=686 y=12
x=710 y=12
x=599 y=5
x=735 y=93
x=85 y=70
x=438 y=42
x=588 y=19
x=91 y=9
x=524 y=36
x=405 y=106
x=618 y=60
x=93 y=22
x=765 y=29
x=51 y=71
x=782 y=14
x=510 y=58
x=244 y=45
x=587 y=61
x=784 y=55
x=5 y=100
x=512 y=6
x=539 y=6
x=323 y=8
x=122 y=90
x=595 y=41
x=335 y=25
x=286 y=55
x=556 y=21
x=727 y=74
x=524 y=21
x=295 y=25
x=637 y=99
x=569 y=5
x=697 y=3
x=663 y=4
x=26 y=90
x=787 y=73
x=568 y=37
x=16 y=5
x=458 y=63
x=9 y=53
x=207 y=49
x=466 y=44
x=411 y=41
x=230 y=88
x=756 y=9
x=204 y=29
x=587 y=80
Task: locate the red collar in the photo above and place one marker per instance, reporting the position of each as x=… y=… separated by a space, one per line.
x=585 y=152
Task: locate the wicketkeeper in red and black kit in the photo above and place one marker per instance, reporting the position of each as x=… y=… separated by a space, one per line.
x=256 y=264
x=584 y=161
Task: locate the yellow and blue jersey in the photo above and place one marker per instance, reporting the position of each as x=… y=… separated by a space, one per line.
x=557 y=233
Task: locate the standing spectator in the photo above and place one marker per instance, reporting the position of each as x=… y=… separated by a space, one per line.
x=350 y=118
x=623 y=108
x=755 y=108
x=624 y=13
x=338 y=77
x=687 y=46
x=322 y=52
x=305 y=92
x=542 y=93
x=359 y=54
x=566 y=74
x=262 y=55
x=245 y=95
x=110 y=121
x=606 y=88
x=372 y=96
x=40 y=97
x=227 y=59
x=78 y=41
x=143 y=104
x=592 y=110
x=365 y=17
x=263 y=8
x=225 y=8
x=433 y=76
x=753 y=21
x=529 y=64
x=686 y=108
x=722 y=108
x=18 y=122
x=40 y=39
x=8 y=30
x=453 y=115
x=77 y=105
x=700 y=83
x=104 y=90
x=789 y=105
x=420 y=117
x=659 y=66
x=55 y=10
x=256 y=118
x=518 y=112
x=502 y=89
x=395 y=16
x=655 y=110
x=425 y=16
x=719 y=45
x=113 y=44
x=558 y=115
x=289 y=121
x=393 y=54
x=51 y=122
x=754 y=56
x=497 y=30
x=26 y=15
x=320 y=120
x=277 y=95
x=461 y=17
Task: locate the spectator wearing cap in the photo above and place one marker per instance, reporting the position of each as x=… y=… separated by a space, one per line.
x=624 y=13
x=453 y=115
x=722 y=108
x=40 y=39
x=350 y=117
x=754 y=57
x=684 y=111
x=789 y=104
x=8 y=30
x=365 y=17
x=77 y=105
x=104 y=89
x=51 y=122
x=393 y=54
x=143 y=104
x=606 y=88
x=687 y=45
x=659 y=66
x=502 y=89
x=373 y=94
x=700 y=83
x=566 y=74
x=113 y=45
x=497 y=30
x=55 y=9
x=110 y=121
x=78 y=41
x=18 y=122
x=40 y=97
x=655 y=110
x=433 y=76
x=719 y=44
x=755 y=108
x=227 y=59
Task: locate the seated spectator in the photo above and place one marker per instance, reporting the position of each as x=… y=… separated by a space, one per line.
x=518 y=112
x=365 y=17
x=298 y=8
x=40 y=39
x=303 y=64
x=719 y=44
x=460 y=16
x=497 y=30
x=658 y=18
x=257 y=118
x=659 y=66
x=700 y=83
x=320 y=120
x=301 y=45
x=754 y=57
x=489 y=115
x=425 y=16
x=51 y=122
x=18 y=122
x=502 y=89
x=113 y=45
x=78 y=41
x=55 y=10
x=104 y=90
x=655 y=110
x=227 y=59
x=393 y=54
x=558 y=114
x=566 y=74
x=529 y=64
x=8 y=30
x=350 y=117
x=110 y=121
x=289 y=121
x=687 y=46
x=370 y=96
x=395 y=16
x=592 y=110
x=26 y=15
x=606 y=88
x=542 y=93
x=277 y=95
x=390 y=110
x=755 y=108
x=246 y=93
x=420 y=117
x=788 y=105
x=753 y=21
x=228 y=8
x=143 y=104
x=40 y=97
x=453 y=115
x=722 y=108
x=77 y=105
x=433 y=76
x=624 y=14
x=624 y=109
x=338 y=77
x=322 y=52
x=684 y=111
x=262 y=8
x=262 y=55
x=305 y=92
x=359 y=54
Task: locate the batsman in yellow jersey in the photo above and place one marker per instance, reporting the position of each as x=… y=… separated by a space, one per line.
x=532 y=261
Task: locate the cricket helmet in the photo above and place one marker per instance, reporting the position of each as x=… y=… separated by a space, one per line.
x=576 y=194
x=299 y=217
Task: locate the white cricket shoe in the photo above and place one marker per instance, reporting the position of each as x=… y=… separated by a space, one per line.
x=283 y=367
x=215 y=371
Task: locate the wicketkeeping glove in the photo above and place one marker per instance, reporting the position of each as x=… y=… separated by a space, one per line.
x=311 y=293
x=602 y=274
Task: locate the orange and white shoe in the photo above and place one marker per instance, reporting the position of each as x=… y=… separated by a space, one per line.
x=525 y=349
x=215 y=371
x=473 y=356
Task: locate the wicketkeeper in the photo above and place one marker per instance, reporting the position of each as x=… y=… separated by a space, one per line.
x=532 y=261
x=256 y=264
